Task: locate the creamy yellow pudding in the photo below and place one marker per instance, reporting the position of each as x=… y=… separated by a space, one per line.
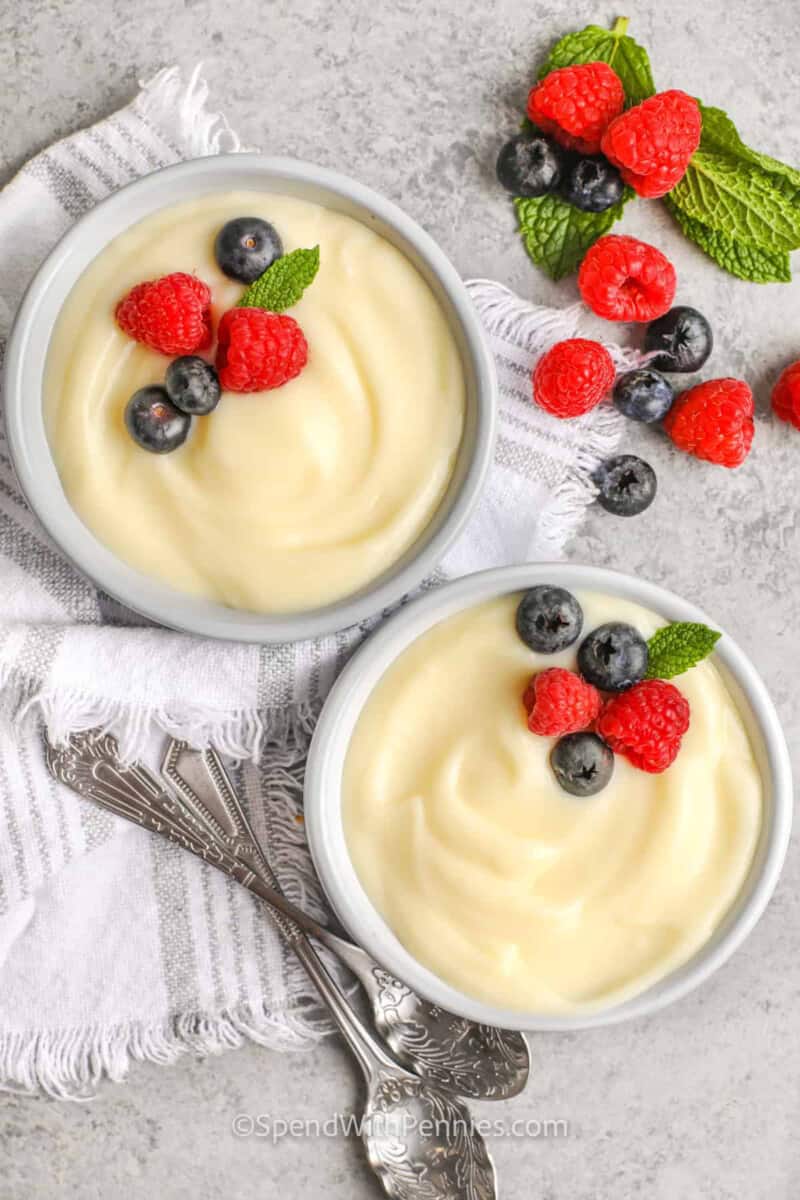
x=281 y=500
x=502 y=884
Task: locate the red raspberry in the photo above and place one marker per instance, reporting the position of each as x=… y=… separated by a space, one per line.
x=171 y=315
x=559 y=701
x=714 y=421
x=575 y=105
x=573 y=377
x=653 y=142
x=786 y=396
x=258 y=350
x=623 y=279
x=646 y=724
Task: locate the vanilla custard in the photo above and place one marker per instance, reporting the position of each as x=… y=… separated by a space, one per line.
x=505 y=886
x=281 y=500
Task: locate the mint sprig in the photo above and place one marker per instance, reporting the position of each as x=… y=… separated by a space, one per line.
x=615 y=47
x=557 y=235
x=679 y=647
x=283 y=283
x=738 y=205
x=739 y=199
x=743 y=259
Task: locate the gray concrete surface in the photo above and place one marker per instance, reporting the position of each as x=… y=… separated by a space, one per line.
x=700 y=1102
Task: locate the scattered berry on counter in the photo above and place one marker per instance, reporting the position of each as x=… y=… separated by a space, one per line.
x=530 y=165
x=653 y=142
x=643 y=395
x=582 y=763
x=684 y=338
x=714 y=421
x=573 y=377
x=192 y=385
x=245 y=247
x=626 y=485
x=154 y=423
x=575 y=105
x=258 y=350
x=549 y=619
x=171 y=315
x=558 y=701
x=786 y=395
x=592 y=185
x=623 y=279
x=613 y=657
x=646 y=724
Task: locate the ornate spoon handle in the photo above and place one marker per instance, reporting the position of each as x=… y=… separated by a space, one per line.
x=89 y=764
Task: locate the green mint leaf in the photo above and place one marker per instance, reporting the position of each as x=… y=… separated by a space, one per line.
x=742 y=259
x=677 y=647
x=615 y=47
x=283 y=283
x=740 y=199
x=557 y=235
x=720 y=136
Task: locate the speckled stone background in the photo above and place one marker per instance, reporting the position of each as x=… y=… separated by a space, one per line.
x=701 y=1101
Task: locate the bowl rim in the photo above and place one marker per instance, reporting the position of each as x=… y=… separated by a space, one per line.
x=30 y=451
x=345 y=702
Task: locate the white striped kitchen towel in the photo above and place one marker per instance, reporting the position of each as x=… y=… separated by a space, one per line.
x=115 y=945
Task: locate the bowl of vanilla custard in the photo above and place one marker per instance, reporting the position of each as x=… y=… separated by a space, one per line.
x=448 y=850
x=290 y=512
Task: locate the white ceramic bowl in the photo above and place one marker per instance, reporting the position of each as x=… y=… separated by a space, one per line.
x=323 y=808
x=24 y=373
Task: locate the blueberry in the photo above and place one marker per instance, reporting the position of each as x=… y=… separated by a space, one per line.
x=245 y=247
x=613 y=657
x=683 y=336
x=154 y=423
x=582 y=763
x=530 y=165
x=192 y=385
x=644 y=395
x=549 y=619
x=592 y=185
x=626 y=485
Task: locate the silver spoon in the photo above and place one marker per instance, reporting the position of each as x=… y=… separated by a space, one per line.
x=420 y=1142
x=477 y=1061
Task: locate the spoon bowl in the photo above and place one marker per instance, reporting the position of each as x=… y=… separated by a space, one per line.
x=422 y=1144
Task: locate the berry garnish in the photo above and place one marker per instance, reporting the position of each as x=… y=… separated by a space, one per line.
x=530 y=165
x=582 y=763
x=684 y=338
x=714 y=421
x=643 y=395
x=626 y=485
x=613 y=657
x=592 y=185
x=573 y=377
x=171 y=315
x=786 y=395
x=653 y=142
x=559 y=701
x=646 y=724
x=576 y=104
x=192 y=385
x=245 y=247
x=623 y=279
x=154 y=423
x=258 y=350
x=549 y=619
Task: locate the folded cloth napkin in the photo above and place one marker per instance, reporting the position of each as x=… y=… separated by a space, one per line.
x=115 y=945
